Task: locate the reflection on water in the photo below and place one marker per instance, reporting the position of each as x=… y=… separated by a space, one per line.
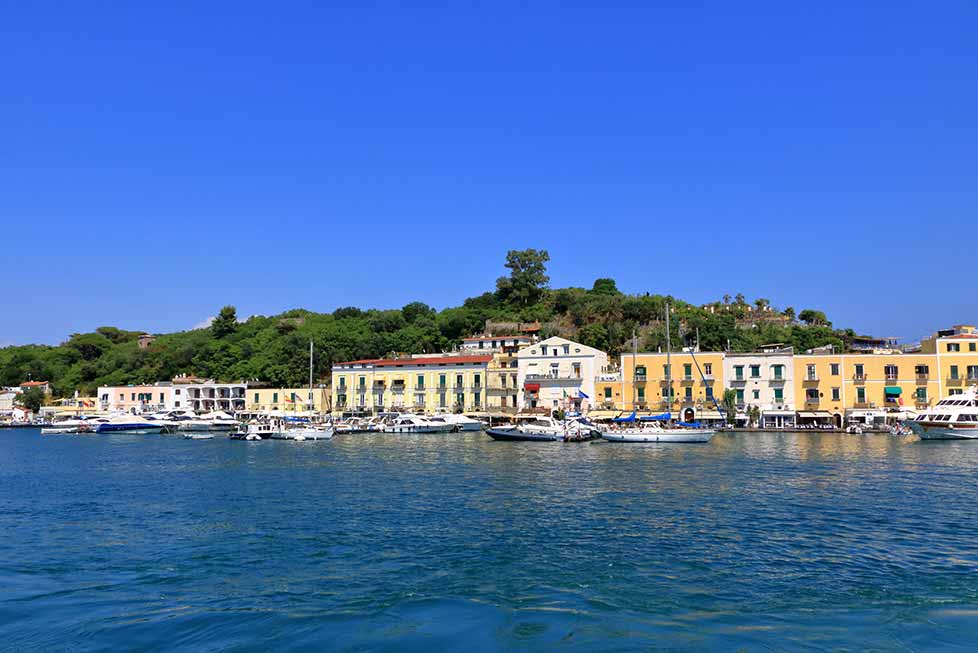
x=767 y=540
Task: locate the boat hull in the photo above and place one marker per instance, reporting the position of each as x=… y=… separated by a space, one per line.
x=678 y=436
x=515 y=435
x=942 y=431
x=447 y=428
x=129 y=428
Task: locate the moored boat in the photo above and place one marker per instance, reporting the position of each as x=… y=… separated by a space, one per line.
x=417 y=424
x=650 y=429
x=537 y=428
x=952 y=418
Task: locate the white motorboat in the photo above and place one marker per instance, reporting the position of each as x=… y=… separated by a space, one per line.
x=305 y=433
x=541 y=428
x=953 y=418
x=128 y=424
x=215 y=421
x=457 y=422
x=198 y=436
x=417 y=424
x=632 y=429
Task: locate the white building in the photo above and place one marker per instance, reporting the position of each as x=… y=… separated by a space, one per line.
x=202 y=395
x=763 y=379
x=558 y=373
x=492 y=344
x=7 y=397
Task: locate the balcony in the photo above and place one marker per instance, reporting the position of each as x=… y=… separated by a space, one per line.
x=812 y=403
x=859 y=377
x=923 y=378
x=864 y=404
x=778 y=379
x=552 y=379
x=955 y=379
x=738 y=379
x=921 y=403
x=810 y=378
x=891 y=377
x=641 y=378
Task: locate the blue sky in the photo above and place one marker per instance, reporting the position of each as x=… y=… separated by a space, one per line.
x=159 y=162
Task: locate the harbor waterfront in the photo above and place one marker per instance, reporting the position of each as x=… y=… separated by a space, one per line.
x=802 y=541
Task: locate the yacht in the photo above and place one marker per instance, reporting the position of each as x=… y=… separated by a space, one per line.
x=80 y=424
x=953 y=418
x=632 y=429
x=216 y=421
x=457 y=422
x=417 y=424
x=541 y=428
x=129 y=424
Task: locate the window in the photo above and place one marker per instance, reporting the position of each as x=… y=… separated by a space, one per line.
x=740 y=396
x=256 y=398
x=921 y=371
x=834 y=369
x=953 y=346
x=755 y=371
x=476 y=399
x=442 y=399
x=739 y=372
x=778 y=372
x=458 y=381
x=860 y=373
x=134 y=396
x=363 y=381
x=641 y=393
x=478 y=380
x=811 y=394
x=460 y=399
x=666 y=371
x=709 y=392
x=779 y=394
x=543 y=350
x=756 y=394
x=607 y=393
x=891 y=372
x=178 y=391
x=973 y=372
x=708 y=369
x=922 y=395
x=420 y=384
x=161 y=398
x=954 y=372
x=688 y=370
x=577 y=370
x=442 y=380
x=972 y=347
x=835 y=394
x=274 y=397
x=689 y=393
x=812 y=375
x=566 y=350
x=861 y=395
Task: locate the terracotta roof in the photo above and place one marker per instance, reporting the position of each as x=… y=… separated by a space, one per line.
x=433 y=360
x=963 y=335
x=489 y=338
x=32 y=384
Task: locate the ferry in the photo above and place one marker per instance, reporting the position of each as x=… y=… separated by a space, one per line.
x=953 y=418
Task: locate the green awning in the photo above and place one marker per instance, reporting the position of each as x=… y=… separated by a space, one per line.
x=893 y=390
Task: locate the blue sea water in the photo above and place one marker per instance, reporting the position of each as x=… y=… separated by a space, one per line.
x=432 y=542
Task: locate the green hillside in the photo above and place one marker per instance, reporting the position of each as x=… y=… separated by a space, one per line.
x=275 y=349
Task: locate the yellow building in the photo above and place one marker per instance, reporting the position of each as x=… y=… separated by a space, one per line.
x=288 y=400
x=428 y=384
x=829 y=386
x=694 y=379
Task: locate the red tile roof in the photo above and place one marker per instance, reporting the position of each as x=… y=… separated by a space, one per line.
x=431 y=360
x=486 y=339
x=32 y=384
x=964 y=335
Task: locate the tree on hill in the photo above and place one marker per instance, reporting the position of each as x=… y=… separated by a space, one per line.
x=814 y=318
x=225 y=323
x=605 y=287
x=31 y=399
x=527 y=277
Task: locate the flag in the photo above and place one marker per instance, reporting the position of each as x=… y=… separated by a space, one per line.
x=581 y=395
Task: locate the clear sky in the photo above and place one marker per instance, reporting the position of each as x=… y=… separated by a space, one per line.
x=158 y=162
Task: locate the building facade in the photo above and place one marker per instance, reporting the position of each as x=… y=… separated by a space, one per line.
x=764 y=380
x=286 y=401
x=558 y=373
x=685 y=384
x=427 y=384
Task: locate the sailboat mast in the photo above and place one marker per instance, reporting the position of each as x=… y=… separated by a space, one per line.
x=668 y=363
x=311 y=402
x=634 y=369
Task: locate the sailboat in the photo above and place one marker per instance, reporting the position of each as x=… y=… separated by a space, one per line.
x=650 y=429
x=308 y=431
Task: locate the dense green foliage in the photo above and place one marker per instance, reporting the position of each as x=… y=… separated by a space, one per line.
x=275 y=349
x=31 y=399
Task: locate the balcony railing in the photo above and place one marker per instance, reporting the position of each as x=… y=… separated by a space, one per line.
x=811 y=377
x=859 y=378
x=864 y=404
x=891 y=377
x=923 y=376
x=641 y=378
